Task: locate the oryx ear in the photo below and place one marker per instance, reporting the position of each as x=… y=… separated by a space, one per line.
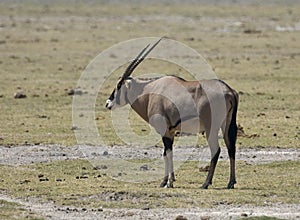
x=128 y=83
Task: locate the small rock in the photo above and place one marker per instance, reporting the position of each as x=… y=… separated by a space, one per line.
x=100 y=209
x=14 y=57
x=100 y=167
x=74 y=128
x=76 y=91
x=244 y=215
x=144 y=167
x=71 y=92
x=19 y=95
x=252 y=31
x=24 y=181
x=42 y=116
x=100 y=118
x=44 y=179
x=40 y=175
x=129 y=213
x=83 y=177
x=261 y=114
x=204 y=168
x=105 y=153
x=180 y=217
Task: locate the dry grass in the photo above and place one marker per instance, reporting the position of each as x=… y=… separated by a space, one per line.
x=257 y=185
x=45 y=48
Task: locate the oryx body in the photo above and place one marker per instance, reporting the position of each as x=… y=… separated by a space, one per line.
x=171 y=104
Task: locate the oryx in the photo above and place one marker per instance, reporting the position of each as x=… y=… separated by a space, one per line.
x=171 y=104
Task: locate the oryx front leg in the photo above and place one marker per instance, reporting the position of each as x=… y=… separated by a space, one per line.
x=159 y=123
x=169 y=176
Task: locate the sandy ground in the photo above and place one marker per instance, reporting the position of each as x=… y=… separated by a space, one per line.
x=31 y=154
x=50 y=211
x=46 y=153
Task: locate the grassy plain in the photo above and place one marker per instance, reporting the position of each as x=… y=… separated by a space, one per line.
x=46 y=46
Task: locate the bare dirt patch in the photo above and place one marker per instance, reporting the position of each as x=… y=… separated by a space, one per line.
x=21 y=155
x=50 y=211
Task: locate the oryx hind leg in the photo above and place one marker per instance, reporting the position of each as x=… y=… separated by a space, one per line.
x=212 y=139
x=230 y=135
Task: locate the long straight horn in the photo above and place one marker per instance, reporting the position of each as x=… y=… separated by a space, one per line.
x=140 y=57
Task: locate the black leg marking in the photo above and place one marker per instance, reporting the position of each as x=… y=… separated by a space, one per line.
x=211 y=171
x=168 y=178
x=164 y=182
x=168 y=145
x=230 y=140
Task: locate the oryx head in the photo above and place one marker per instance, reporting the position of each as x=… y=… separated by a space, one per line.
x=119 y=96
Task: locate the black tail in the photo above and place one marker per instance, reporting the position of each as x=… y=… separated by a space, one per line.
x=230 y=135
x=232 y=130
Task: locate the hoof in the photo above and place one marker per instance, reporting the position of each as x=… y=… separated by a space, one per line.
x=204 y=186
x=231 y=185
x=170 y=185
x=163 y=184
x=166 y=184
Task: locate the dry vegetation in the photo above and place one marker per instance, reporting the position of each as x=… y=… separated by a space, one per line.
x=45 y=47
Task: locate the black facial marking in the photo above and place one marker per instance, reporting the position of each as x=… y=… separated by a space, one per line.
x=112 y=96
x=118 y=98
x=119 y=85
